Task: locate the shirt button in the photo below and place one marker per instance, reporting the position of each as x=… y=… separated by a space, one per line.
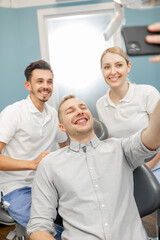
x=102 y=205
x=91 y=168
x=106 y=224
x=96 y=185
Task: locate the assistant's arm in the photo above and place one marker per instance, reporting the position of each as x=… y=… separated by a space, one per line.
x=151 y=135
x=11 y=164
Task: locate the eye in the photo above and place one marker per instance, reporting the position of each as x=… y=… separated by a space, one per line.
x=50 y=82
x=69 y=111
x=106 y=67
x=39 y=81
x=119 y=65
x=82 y=107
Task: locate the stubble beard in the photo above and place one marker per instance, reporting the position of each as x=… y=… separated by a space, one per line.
x=80 y=134
x=40 y=99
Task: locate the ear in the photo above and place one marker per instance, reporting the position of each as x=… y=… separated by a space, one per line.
x=27 y=85
x=62 y=128
x=129 y=67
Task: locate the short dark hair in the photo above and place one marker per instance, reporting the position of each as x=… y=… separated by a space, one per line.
x=40 y=64
x=64 y=99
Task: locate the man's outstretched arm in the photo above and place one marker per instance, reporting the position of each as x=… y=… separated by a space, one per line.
x=151 y=135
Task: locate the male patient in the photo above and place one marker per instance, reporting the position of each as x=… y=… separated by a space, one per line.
x=90 y=181
x=27 y=129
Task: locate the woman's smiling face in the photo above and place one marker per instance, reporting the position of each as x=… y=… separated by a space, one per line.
x=115 y=69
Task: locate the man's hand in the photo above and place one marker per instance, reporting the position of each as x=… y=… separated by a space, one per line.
x=154 y=39
x=41 y=235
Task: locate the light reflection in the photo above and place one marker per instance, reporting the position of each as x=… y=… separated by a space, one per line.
x=76 y=69
x=75 y=47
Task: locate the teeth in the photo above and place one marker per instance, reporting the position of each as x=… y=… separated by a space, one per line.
x=114 y=78
x=45 y=93
x=81 y=121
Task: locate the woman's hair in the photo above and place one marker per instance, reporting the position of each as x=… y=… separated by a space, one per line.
x=116 y=50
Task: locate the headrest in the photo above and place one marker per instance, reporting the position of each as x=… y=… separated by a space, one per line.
x=100 y=129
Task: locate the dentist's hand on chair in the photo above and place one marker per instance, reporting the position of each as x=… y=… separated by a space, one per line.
x=154 y=39
x=37 y=160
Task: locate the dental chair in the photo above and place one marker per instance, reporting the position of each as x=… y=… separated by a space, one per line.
x=6 y=219
x=147 y=194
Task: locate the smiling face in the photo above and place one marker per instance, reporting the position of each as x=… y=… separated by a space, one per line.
x=115 y=70
x=76 y=119
x=40 y=86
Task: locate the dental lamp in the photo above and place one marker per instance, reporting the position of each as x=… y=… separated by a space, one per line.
x=119 y=12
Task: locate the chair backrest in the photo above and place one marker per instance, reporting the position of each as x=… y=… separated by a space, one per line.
x=100 y=129
x=146 y=190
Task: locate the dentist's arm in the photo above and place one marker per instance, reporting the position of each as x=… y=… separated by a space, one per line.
x=11 y=164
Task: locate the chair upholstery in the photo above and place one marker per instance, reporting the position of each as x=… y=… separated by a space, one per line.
x=5 y=218
x=147 y=194
x=100 y=129
x=146 y=190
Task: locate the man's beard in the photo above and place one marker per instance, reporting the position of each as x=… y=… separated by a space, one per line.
x=43 y=100
x=40 y=99
x=81 y=133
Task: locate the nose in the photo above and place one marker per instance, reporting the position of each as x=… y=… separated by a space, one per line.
x=45 y=85
x=113 y=70
x=79 y=112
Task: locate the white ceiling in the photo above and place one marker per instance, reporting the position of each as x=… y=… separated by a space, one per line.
x=31 y=3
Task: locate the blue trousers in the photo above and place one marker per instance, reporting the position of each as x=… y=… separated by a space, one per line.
x=18 y=205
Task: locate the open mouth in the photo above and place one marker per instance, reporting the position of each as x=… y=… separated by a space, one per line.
x=81 y=121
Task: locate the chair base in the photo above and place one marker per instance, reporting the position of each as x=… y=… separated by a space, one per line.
x=18 y=233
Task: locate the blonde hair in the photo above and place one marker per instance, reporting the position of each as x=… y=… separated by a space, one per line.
x=64 y=99
x=116 y=50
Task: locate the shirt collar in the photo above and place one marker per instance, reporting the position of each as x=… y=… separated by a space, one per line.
x=76 y=146
x=127 y=97
x=32 y=107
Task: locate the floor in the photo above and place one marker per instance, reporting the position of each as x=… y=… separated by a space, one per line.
x=149 y=223
x=4 y=230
